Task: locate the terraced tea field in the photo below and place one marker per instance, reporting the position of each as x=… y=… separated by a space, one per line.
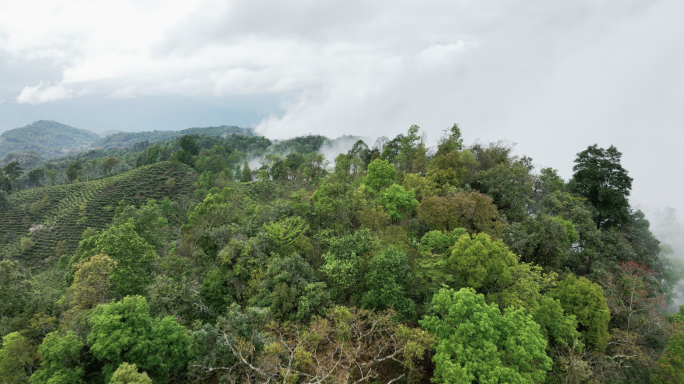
x=54 y=218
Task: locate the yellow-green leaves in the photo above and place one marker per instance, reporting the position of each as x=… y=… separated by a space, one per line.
x=477 y=344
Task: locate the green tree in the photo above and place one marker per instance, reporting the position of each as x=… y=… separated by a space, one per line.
x=471 y=210
x=600 y=178
x=36 y=176
x=398 y=201
x=585 y=300
x=15 y=288
x=148 y=221
x=13 y=170
x=285 y=232
x=74 y=171
x=477 y=344
x=17 y=359
x=109 y=164
x=134 y=257
x=124 y=331
x=59 y=360
x=128 y=374
x=52 y=175
x=92 y=284
x=4 y=201
x=389 y=283
x=481 y=263
x=291 y=291
x=246 y=173
x=380 y=174
x=669 y=369
x=189 y=145
x=342 y=263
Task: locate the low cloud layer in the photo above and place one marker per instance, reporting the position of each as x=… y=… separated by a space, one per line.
x=553 y=76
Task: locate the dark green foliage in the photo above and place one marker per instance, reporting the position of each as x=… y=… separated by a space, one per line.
x=389 y=282
x=342 y=264
x=601 y=179
x=291 y=291
x=74 y=171
x=36 y=176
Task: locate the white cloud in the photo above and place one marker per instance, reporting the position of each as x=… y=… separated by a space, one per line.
x=553 y=76
x=42 y=93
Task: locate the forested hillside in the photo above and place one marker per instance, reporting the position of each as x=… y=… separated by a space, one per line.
x=178 y=262
x=48 y=138
x=128 y=139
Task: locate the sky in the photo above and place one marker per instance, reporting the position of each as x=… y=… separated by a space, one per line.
x=554 y=77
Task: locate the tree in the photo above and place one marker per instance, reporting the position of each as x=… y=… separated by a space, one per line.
x=189 y=145
x=52 y=175
x=91 y=282
x=471 y=210
x=481 y=263
x=343 y=262
x=285 y=232
x=670 y=366
x=17 y=359
x=389 y=283
x=109 y=164
x=476 y=343
x=124 y=331
x=246 y=173
x=398 y=201
x=585 y=300
x=128 y=374
x=380 y=174
x=291 y=291
x=600 y=178
x=74 y=171
x=4 y=201
x=13 y=170
x=134 y=257
x=36 y=176
x=148 y=221
x=59 y=360
x=15 y=288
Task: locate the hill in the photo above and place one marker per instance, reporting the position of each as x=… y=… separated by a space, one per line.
x=61 y=213
x=48 y=138
x=128 y=139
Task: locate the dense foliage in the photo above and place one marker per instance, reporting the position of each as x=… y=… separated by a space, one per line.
x=212 y=259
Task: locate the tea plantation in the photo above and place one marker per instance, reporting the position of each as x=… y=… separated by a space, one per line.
x=44 y=222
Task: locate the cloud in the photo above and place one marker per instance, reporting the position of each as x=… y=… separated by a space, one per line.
x=552 y=76
x=42 y=93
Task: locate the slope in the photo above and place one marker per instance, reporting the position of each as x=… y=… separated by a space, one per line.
x=48 y=138
x=128 y=139
x=61 y=213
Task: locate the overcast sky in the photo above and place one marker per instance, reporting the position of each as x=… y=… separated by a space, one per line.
x=553 y=76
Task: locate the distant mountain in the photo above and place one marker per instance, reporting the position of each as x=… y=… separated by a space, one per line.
x=109 y=132
x=128 y=139
x=48 y=138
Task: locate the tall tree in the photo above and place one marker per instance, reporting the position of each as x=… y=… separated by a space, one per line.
x=600 y=178
x=74 y=171
x=124 y=331
x=477 y=344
